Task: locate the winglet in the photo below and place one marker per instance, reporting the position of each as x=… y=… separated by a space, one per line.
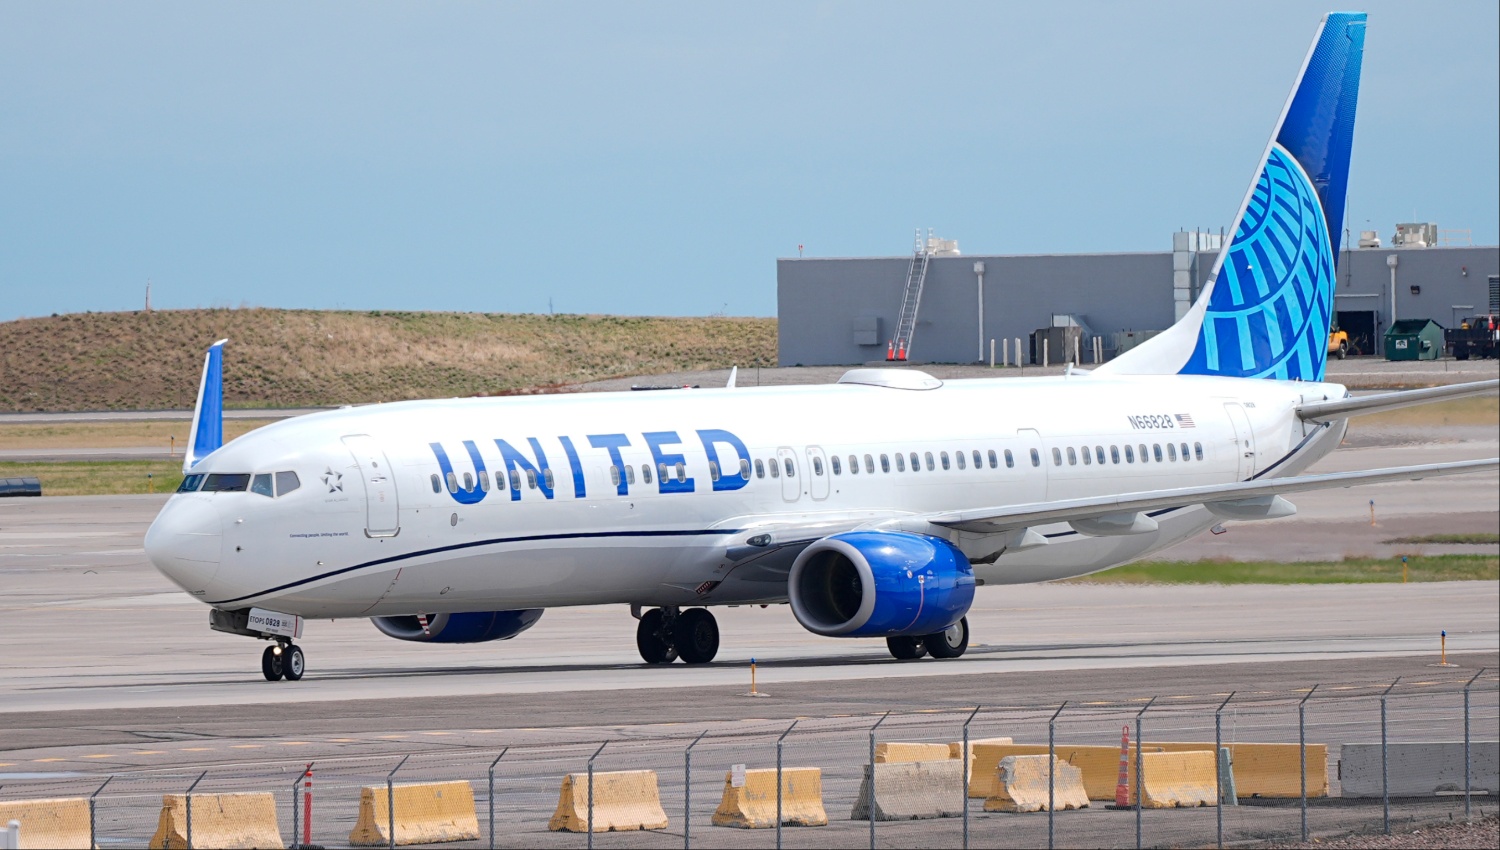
x=734 y=371
x=208 y=414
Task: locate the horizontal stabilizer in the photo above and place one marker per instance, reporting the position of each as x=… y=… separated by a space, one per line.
x=208 y=413
x=990 y=520
x=1325 y=411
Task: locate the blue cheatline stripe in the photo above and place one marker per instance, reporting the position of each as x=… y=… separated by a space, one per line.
x=585 y=535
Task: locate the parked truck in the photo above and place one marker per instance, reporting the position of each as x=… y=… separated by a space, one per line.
x=1476 y=336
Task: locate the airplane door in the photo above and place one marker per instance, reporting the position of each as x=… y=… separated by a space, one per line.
x=1244 y=440
x=791 y=481
x=816 y=470
x=382 y=513
x=1031 y=463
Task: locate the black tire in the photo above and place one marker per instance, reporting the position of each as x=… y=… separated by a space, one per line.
x=651 y=639
x=1460 y=353
x=270 y=665
x=905 y=648
x=293 y=663
x=1343 y=350
x=696 y=634
x=949 y=643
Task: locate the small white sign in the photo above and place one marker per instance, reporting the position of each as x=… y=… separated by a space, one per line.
x=275 y=623
x=737 y=776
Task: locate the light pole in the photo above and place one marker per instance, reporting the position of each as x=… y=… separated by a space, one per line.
x=979 y=273
x=1391 y=261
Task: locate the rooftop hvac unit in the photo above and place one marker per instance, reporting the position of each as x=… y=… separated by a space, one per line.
x=942 y=247
x=1369 y=239
x=1417 y=234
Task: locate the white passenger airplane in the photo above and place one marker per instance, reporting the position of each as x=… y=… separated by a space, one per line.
x=874 y=506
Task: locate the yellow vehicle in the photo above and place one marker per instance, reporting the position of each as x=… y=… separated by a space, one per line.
x=1338 y=343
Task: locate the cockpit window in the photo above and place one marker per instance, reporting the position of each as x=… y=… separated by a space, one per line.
x=262 y=484
x=286 y=482
x=190 y=483
x=226 y=482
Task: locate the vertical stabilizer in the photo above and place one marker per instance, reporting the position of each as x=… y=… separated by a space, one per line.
x=208 y=413
x=1266 y=310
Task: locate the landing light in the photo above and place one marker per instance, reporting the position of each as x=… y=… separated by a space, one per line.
x=760 y=540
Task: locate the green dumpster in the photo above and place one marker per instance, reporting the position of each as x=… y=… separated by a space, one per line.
x=1414 y=339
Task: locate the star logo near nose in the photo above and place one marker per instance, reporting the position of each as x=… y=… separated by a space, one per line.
x=334 y=480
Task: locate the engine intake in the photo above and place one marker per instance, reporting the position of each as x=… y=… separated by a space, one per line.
x=469 y=627
x=880 y=584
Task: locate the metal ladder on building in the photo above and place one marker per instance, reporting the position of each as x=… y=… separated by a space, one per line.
x=906 y=321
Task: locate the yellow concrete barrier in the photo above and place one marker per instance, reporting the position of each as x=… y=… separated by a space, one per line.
x=1022 y=785
x=61 y=823
x=956 y=749
x=219 y=820
x=426 y=813
x=894 y=752
x=1177 y=780
x=753 y=805
x=624 y=800
x=1100 y=765
x=1267 y=770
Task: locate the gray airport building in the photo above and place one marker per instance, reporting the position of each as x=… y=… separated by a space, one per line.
x=849 y=310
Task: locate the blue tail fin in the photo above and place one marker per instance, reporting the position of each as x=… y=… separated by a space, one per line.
x=208 y=414
x=1266 y=311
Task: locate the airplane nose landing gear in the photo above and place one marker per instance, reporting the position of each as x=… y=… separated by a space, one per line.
x=284 y=660
x=663 y=635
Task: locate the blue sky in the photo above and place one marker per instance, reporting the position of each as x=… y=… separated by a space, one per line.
x=656 y=158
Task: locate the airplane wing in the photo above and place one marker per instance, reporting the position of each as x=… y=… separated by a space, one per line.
x=1325 y=411
x=1243 y=499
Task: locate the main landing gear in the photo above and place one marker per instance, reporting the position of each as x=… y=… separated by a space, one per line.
x=948 y=643
x=284 y=660
x=664 y=635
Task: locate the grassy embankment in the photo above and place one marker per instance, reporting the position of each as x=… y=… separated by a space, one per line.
x=1419 y=568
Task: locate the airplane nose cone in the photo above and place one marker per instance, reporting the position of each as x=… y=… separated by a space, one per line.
x=185 y=543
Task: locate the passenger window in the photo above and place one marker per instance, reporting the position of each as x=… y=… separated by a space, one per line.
x=515 y=481
x=885 y=463
x=791 y=471
x=959 y=456
x=191 y=482
x=548 y=479
x=645 y=473
x=1010 y=460
x=1144 y=455
x=1156 y=451
x=760 y=469
x=468 y=483
x=452 y=483
x=745 y=468
x=484 y=481
x=869 y=464
x=900 y=462
x=930 y=465
x=1099 y=454
x=945 y=460
x=1072 y=456
x=662 y=474
x=775 y=468
x=1129 y=454
x=531 y=478
x=614 y=475
x=838 y=467
x=1056 y=456
x=262 y=484
x=1114 y=453
x=1197 y=451
x=437 y=483
x=1036 y=458
x=1172 y=451
x=977 y=463
x=226 y=482
x=853 y=465
x=993 y=463
x=1184 y=451
x=916 y=464
x=817 y=465
x=713 y=471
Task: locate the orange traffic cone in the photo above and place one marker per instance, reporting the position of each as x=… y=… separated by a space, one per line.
x=1122 y=784
x=890 y=350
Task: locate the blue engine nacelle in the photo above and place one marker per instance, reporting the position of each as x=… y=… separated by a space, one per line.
x=880 y=584
x=468 y=627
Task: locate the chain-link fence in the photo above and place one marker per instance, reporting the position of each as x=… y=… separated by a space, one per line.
x=1366 y=757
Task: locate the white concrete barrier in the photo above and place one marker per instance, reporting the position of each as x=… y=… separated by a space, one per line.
x=913 y=791
x=1419 y=769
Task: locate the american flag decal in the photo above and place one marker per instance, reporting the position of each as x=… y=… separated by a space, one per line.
x=1184 y=420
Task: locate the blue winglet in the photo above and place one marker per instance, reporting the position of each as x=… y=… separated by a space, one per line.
x=208 y=414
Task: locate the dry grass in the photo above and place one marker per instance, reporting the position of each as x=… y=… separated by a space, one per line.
x=111 y=434
x=1482 y=410
x=296 y=358
x=100 y=478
